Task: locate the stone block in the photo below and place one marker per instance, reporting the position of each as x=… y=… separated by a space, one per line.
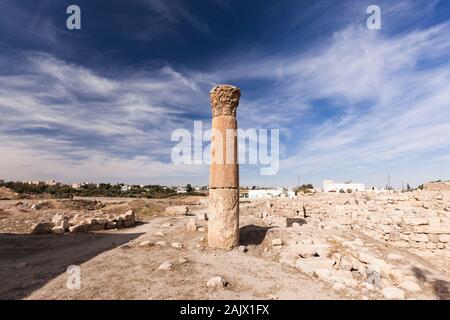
x=42 y=227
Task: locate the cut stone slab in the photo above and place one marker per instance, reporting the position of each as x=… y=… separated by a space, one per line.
x=60 y=221
x=288 y=258
x=344 y=277
x=177 y=210
x=309 y=265
x=277 y=242
x=394 y=256
x=177 y=245
x=191 y=225
x=393 y=293
x=216 y=282
x=415 y=221
x=58 y=230
x=167 y=265
x=96 y=227
x=146 y=243
x=306 y=250
x=410 y=286
x=323 y=274
x=111 y=225
x=365 y=257
x=83 y=227
x=202 y=216
x=42 y=227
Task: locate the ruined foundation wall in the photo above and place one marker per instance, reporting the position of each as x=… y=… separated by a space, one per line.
x=413 y=220
x=437 y=186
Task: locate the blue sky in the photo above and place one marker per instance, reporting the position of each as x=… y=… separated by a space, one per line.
x=100 y=103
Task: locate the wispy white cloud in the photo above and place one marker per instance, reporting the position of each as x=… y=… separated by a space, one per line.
x=176 y=12
x=24 y=163
x=35 y=27
x=387 y=98
x=66 y=117
x=393 y=94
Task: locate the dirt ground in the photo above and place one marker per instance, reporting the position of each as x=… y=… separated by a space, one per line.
x=124 y=263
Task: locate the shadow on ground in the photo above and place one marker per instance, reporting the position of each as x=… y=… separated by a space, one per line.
x=252 y=234
x=440 y=287
x=28 y=262
x=291 y=221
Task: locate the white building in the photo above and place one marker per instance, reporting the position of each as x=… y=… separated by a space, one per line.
x=34 y=182
x=181 y=190
x=376 y=190
x=270 y=193
x=331 y=186
x=79 y=185
x=125 y=188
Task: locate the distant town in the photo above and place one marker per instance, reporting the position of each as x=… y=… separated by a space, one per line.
x=61 y=190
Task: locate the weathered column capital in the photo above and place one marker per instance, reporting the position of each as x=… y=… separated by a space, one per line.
x=224 y=100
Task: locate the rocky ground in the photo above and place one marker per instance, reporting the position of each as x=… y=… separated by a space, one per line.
x=164 y=255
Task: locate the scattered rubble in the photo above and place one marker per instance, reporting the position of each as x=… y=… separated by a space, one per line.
x=146 y=243
x=362 y=245
x=177 y=245
x=177 y=210
x=60 y=224
x=191 y=225
x=216 y=282
x=393 y=293
x=167 y=265
x=277 y=242
x=42 y=227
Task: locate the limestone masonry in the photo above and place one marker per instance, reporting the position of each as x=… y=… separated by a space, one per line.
x=223 y=224
x=418 y=220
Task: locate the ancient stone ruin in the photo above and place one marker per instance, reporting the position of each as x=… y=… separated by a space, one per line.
x=223 y=225
x=437 y=186
x=77 y=223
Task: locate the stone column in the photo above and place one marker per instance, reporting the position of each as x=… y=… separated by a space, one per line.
x=223 y=224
